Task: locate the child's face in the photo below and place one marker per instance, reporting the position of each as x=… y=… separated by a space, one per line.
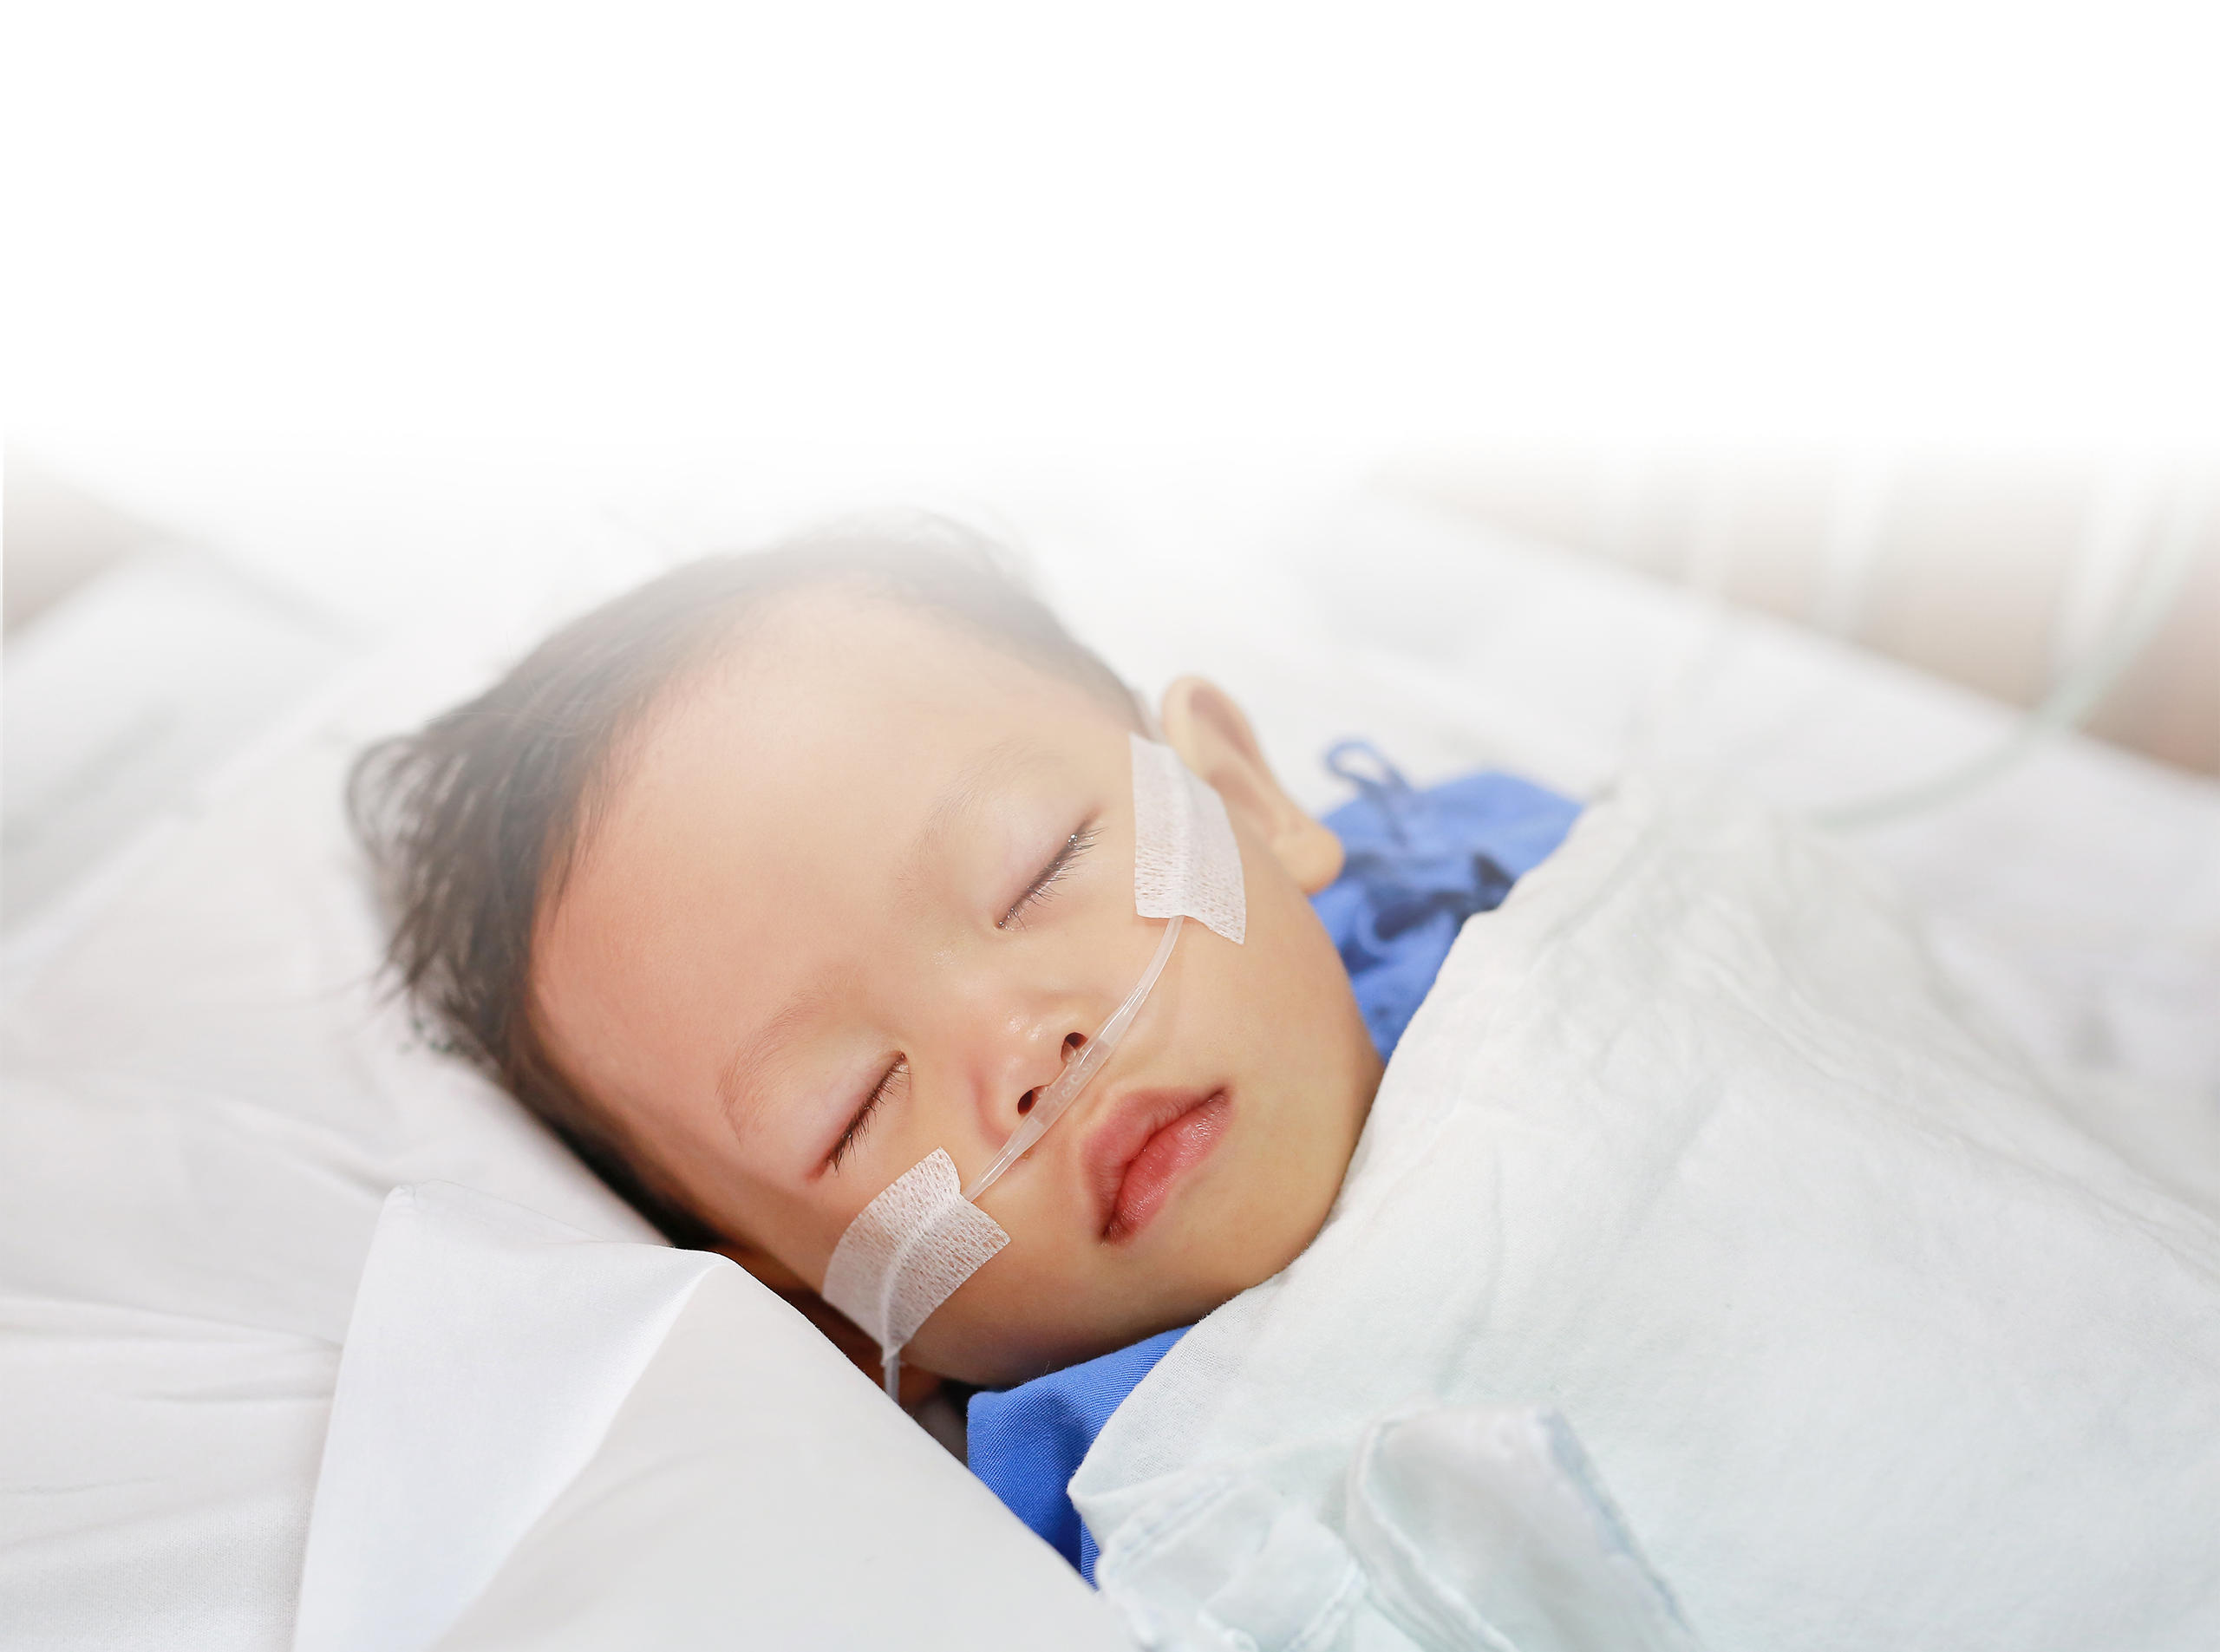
x=870 y=856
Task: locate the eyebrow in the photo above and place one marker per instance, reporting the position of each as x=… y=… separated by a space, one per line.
x=985 y=774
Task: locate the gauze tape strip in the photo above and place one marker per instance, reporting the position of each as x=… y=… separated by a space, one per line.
x=907 y=1252
x=1186 y=861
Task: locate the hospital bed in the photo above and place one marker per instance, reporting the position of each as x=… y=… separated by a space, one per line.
x=210 y=1098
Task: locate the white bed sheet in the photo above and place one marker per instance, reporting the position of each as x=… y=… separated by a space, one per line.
x=206 y=1100
x=1869 y=1343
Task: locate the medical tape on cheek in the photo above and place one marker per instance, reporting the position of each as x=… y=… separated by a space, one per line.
x=1187 y=862
x=908 y=1250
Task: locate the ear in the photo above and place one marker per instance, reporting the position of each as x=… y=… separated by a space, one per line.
x=1206 y=728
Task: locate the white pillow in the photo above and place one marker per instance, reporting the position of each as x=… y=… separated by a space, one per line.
x=208 y=1094
x=593 y=1444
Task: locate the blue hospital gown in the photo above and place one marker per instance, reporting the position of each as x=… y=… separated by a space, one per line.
x=1420 y=864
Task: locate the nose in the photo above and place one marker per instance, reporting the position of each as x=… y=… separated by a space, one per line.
x=1003 y=1036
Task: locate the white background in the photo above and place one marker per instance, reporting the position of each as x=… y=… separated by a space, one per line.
x=1041 y=226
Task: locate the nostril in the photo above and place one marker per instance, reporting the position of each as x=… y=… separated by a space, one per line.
x=1074 y=1042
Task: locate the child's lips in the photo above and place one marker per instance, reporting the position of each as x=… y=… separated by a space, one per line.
x=1151 y=1139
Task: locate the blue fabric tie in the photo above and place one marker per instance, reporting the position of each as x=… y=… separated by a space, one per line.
x=1418 y=864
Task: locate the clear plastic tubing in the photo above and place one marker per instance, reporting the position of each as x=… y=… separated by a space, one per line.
x=1051 y=1103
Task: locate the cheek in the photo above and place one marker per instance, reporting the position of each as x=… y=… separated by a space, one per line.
x=1305 y=1070
x=1283 y=993
x=1055 y=1294
x=1028 y=1311
x=799 y=1235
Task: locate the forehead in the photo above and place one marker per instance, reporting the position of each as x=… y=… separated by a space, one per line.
x=828 y=701
x=782 y=804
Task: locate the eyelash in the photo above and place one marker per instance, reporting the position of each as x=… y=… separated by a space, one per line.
x=861 y=1122
x=1075 y=845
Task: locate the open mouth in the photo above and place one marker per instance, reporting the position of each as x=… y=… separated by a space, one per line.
x=1151 y=1140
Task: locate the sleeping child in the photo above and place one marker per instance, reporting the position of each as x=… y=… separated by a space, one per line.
x=770 y=878
x=806 y=894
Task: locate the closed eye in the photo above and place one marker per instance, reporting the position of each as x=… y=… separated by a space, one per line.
x=1039 y=890
x=861 y=1122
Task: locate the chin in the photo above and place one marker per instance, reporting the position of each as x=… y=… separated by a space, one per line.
x=1004 y=1356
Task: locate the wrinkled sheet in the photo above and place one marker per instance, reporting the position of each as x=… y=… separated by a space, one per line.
x=1869 y=1340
